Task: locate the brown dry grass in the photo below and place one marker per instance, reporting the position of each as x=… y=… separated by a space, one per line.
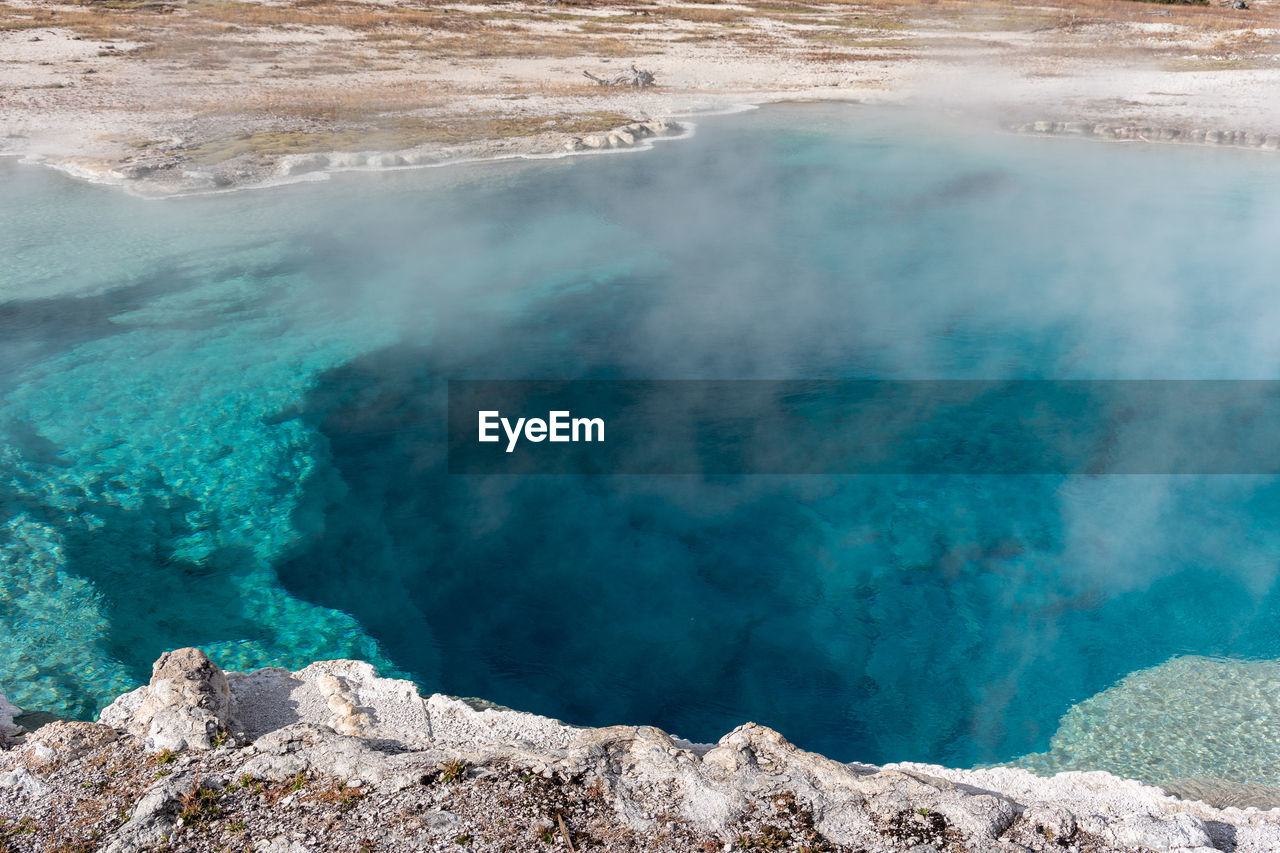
x=338 y=794
x=701 y=14
x=397 y=133
x=604 y=27
x=326 y=13
x=315 y=78
x=491 y=45
x=87 y=24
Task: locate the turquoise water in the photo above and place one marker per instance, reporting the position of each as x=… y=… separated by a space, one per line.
x=221 y=424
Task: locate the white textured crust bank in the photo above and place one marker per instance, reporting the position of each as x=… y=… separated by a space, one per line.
x=167 y=98
x=332 y=757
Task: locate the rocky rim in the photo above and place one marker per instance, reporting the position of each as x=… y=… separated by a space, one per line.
x=334 y=758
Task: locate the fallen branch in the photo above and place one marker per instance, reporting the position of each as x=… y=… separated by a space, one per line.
x=636 y=78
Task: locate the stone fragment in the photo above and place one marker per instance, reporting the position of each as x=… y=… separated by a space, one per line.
x=22 y=782
x=187 y=705
x=979 y=816
x=63 y=741
x=155 y=816
x=301 y=164
x=1158 y=833
x=280 y=844
x=1053 y=822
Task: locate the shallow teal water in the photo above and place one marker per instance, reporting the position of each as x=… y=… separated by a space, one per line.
x=221 y=424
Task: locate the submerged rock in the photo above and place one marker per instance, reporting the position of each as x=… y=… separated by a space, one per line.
x=9 y=730
x=1190 y=717
x=1223 y=793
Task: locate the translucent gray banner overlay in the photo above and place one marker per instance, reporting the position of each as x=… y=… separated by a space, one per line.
x=865 y=427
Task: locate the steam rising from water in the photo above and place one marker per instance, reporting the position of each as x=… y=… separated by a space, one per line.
x=224 y=427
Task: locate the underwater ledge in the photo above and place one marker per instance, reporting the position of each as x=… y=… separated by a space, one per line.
x=334 y=758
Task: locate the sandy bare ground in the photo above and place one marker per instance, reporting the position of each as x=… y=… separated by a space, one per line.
x=169 y=96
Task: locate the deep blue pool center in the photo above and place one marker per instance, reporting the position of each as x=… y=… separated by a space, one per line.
x=222 y=425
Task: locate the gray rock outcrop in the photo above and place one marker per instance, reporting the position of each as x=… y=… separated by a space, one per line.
x=155 y=816
x=63 y=741
x=333 y=756
x=626 y=136
x=187 y=705
x=1130 y=132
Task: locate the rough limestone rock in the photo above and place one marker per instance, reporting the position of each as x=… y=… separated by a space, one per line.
x=154 y=818
x=62 y=742
x=1124 y=813
x=1053 y=822
x=23 y=783
x=347 y=159
x=332 y=757
x=281 y=844
x=309 y=749
x=9 y=730
x=301 y=164
x=346 y=696
x=1198 y=136
x=294 y=165
x=330 y=719
x=187 y=705
x=1177 y=832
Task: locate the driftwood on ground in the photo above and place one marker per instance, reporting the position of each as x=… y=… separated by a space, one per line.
x=636 y=78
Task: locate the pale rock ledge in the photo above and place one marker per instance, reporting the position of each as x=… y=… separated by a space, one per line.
x=333 y=757
x=293 y=165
